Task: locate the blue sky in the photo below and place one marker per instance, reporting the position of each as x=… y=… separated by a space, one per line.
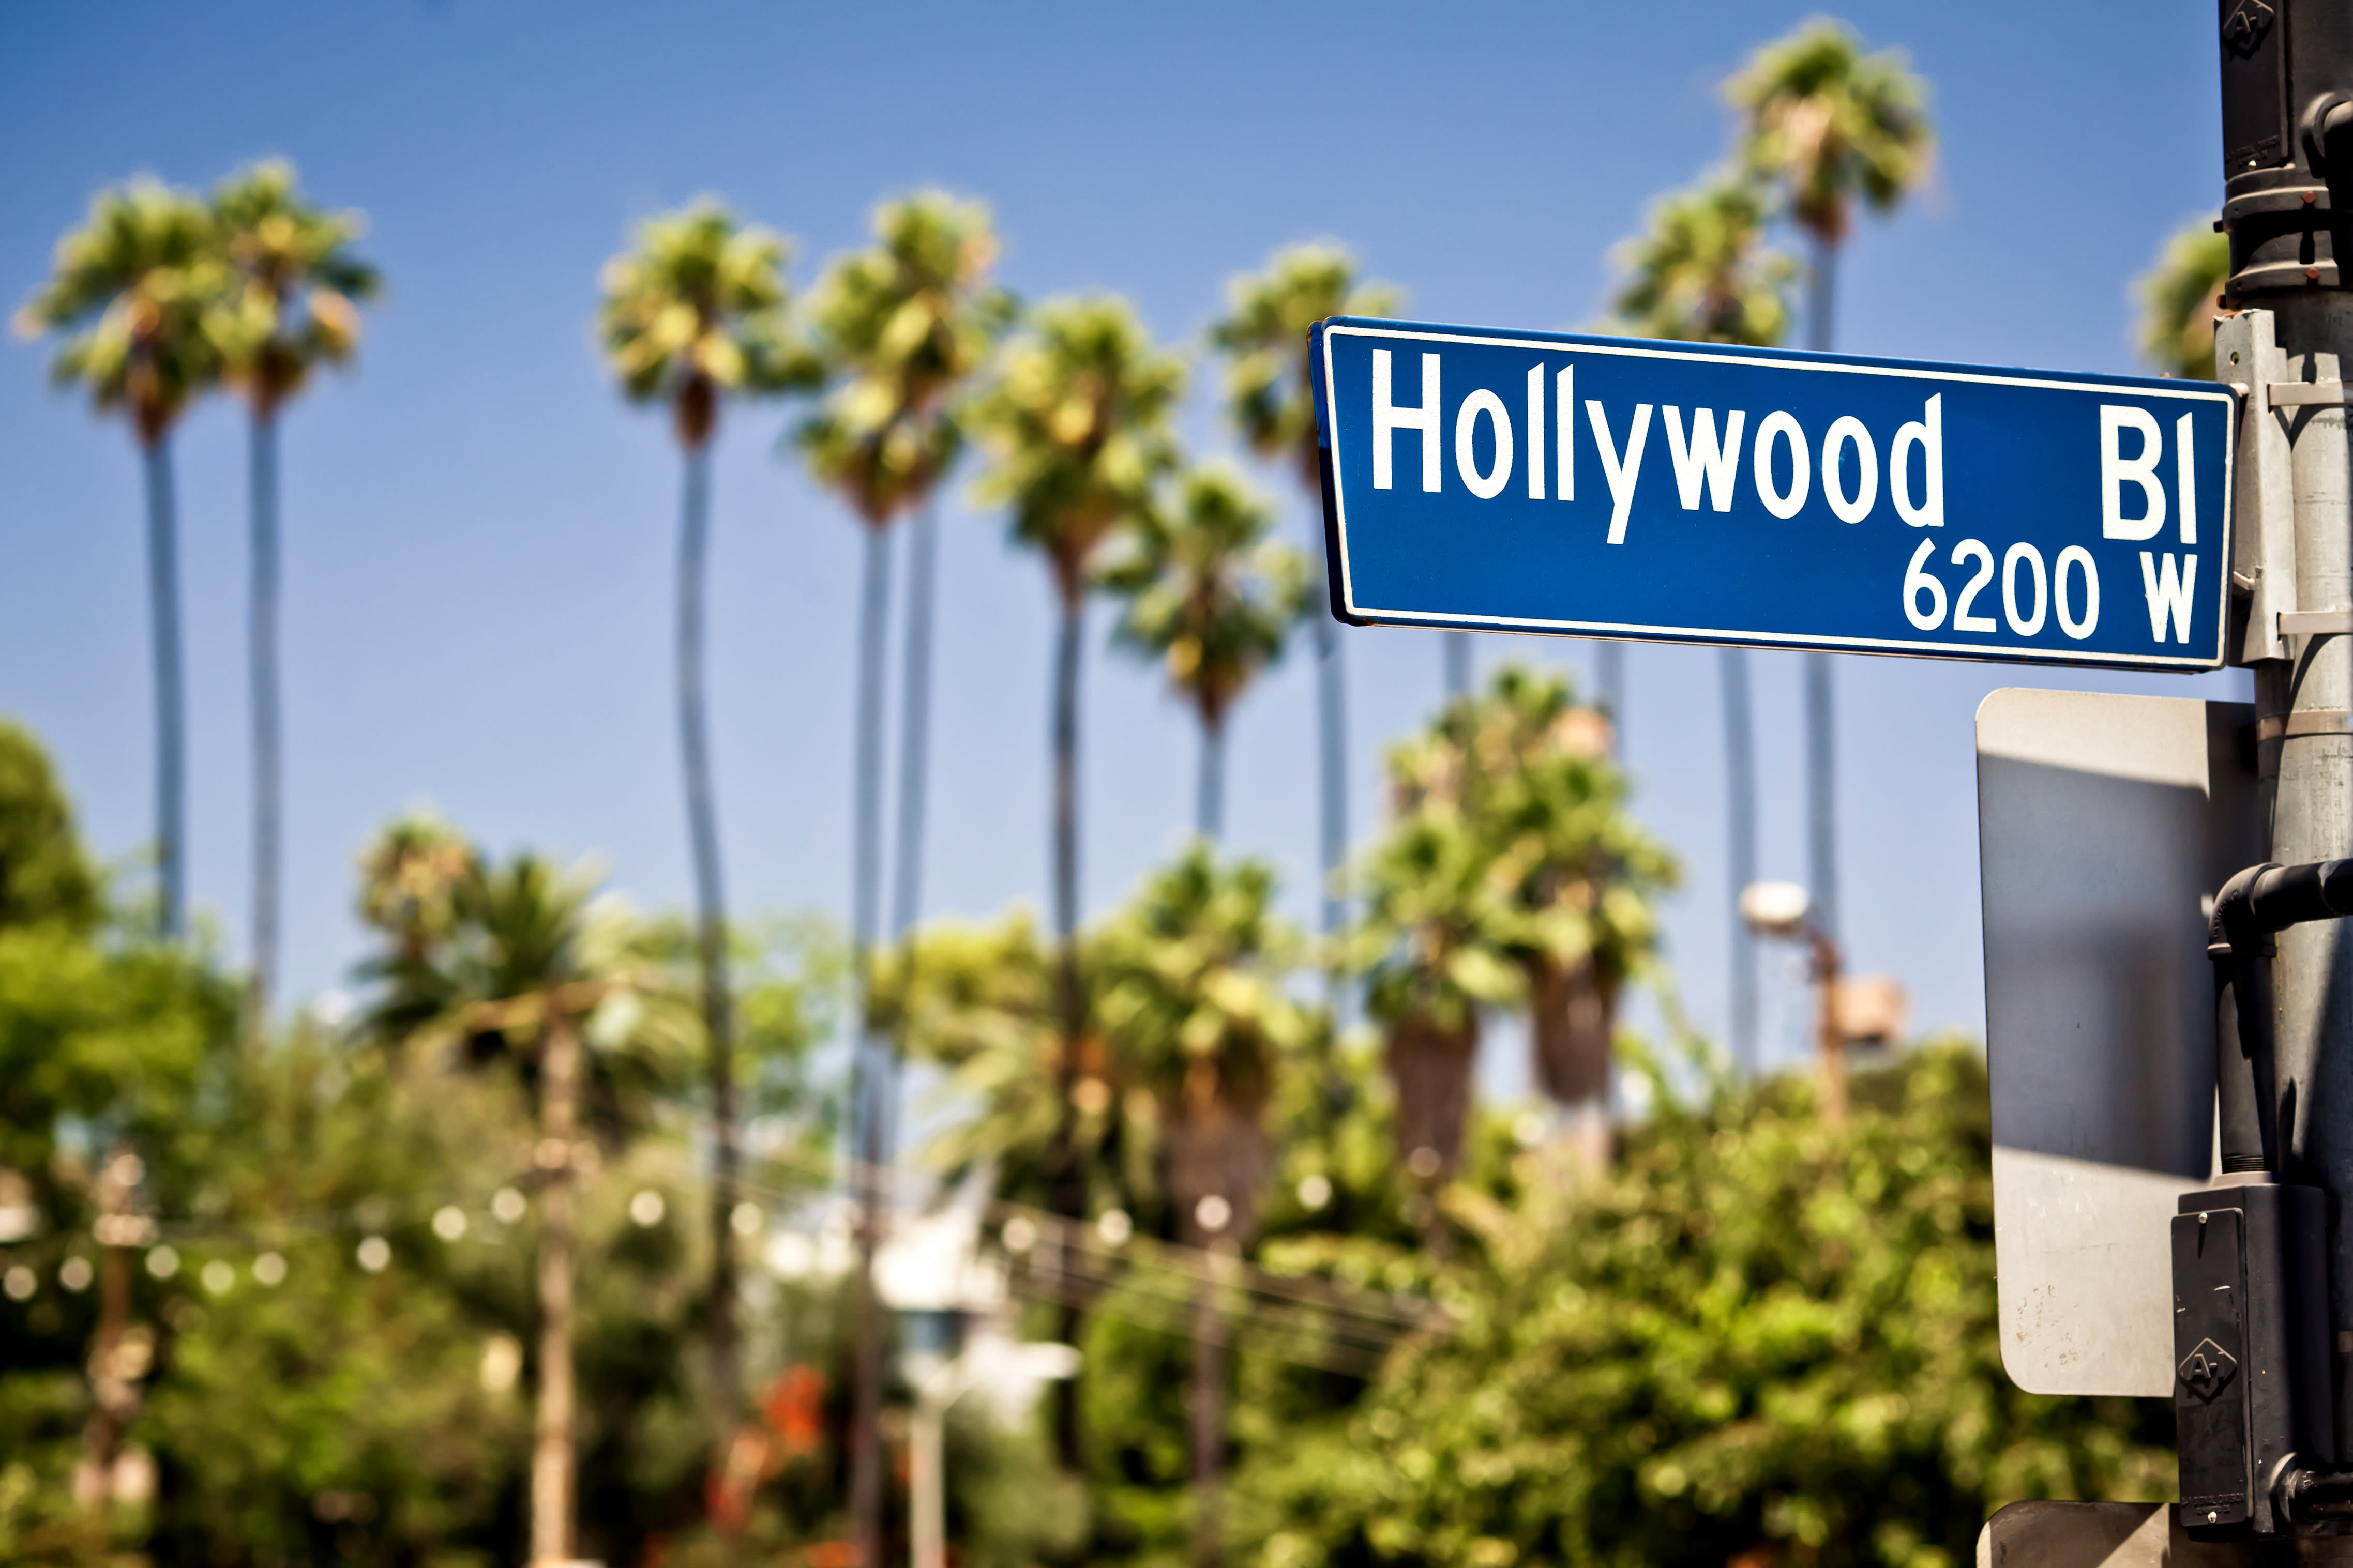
x=481 y=532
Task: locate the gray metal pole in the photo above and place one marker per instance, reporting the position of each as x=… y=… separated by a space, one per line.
x=2305 y=725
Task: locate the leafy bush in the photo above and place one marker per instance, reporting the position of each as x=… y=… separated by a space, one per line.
x=1755 y=1339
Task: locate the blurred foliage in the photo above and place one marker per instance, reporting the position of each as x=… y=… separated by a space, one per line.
x=900 y=328
x=1702 y=273
x=2179 y=297
x=134 y=287
x=1510 y=875
x=698 y=310
x=292 y=299
x=1076 y=419
x=1824 y=122
x=1754 y=1337
x=1208 y=593
x=1263 y=335
x=44 y=875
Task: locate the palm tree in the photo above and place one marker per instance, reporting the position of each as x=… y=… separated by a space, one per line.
x=1534 y=772
x=137 y=281
x=2181 y=296
x=1190 y=991
x=292 y=309
x=983 y=1002
x=1699 y=272
x=1825 y=124
x=694 y=313
x=1214 y=599
x=525 y=964
x=1077 y=420
x=1270 y=397
x=1702 y=273
x=902 y=326
x=1435 y=946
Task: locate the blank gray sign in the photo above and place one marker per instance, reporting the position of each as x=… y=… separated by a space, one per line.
x=2105 y=825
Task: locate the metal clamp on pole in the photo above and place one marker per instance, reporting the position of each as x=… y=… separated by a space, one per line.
x=2252 y=1392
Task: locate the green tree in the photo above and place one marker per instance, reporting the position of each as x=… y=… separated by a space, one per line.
x=982 y=1000
x=1825 y=124
x=1076 y=417
x=696 y=313
x=1191 y=996
x=45 y=876
x=290 y=307
x=134 y=287
x=1702 y=273
x=1759 y=1339
x=1214 y=599
x=104 y=1042
x=1573 y=876
x=536 y=968
x=315 y=1400
x=2179 y=297
x=1271 y=399
x=1433 y=941
x=899 y=327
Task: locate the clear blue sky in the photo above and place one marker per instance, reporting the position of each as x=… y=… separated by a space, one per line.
x=480 y=533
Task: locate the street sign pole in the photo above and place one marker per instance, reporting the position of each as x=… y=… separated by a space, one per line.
x=2287 y=109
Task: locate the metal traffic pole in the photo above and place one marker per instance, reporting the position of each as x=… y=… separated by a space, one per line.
x=2285 y=339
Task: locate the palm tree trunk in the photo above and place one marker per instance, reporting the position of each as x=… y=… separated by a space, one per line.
x=1068 y=646
x=1740 y=787
x=1821 y=734
x=1609 y=686
x=914 y=721
x=1331 y=764
x=268 y=778
x=869 y=1077
x=551 y=1453
x=1066 y=1182
x=711 y=929
x=170 y=735
x=1209 y=796
x=1820 y=285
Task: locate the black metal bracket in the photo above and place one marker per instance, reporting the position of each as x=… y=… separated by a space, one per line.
x=2251 y=1391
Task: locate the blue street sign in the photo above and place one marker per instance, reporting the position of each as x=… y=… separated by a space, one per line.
x=1602 y=487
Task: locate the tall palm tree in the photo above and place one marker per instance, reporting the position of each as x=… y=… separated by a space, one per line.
x=1702 y=273
x=1190 y=990
x=1826 y=124
x=134 y=285
x=696 y=313
x=900 y=327
x=1270 y=397
x=1434 y=941
x=1533 y=771
x=523 y=963
x=2180 y=295
x=1214 y=599
x=1077 y=420
x=292 y=309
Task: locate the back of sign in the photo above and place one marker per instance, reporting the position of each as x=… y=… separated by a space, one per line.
x=2105 y=825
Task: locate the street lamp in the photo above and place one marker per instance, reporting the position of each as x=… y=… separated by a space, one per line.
x=1007 y=1372
x=1783 y=912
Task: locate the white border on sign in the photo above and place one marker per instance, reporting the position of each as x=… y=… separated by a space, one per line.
x=1716 y=635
